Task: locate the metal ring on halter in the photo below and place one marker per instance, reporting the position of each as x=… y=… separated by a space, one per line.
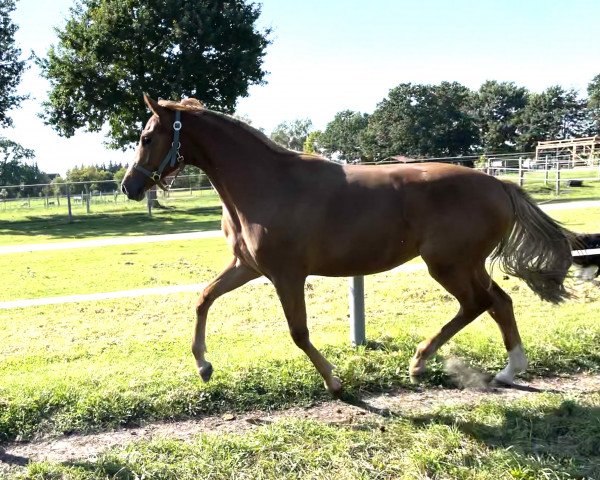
x=177 y=126
x=155 y=176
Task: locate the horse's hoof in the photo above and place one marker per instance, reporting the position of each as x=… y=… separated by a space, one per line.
x=416 y=369
x=334 y=386
x=206 y=371
x=504 y=379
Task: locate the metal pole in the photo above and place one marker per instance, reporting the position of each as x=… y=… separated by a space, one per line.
x=69 y=202
x=557 y=187
x=521 y=174
x=357 y=310
x=87 y=198
x=149 y=200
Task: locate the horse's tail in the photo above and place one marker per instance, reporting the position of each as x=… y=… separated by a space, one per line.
x=538 y=249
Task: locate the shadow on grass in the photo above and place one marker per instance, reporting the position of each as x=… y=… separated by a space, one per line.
x=531 y=441
x=15 y=460
x=117 y=224
x=565 y=437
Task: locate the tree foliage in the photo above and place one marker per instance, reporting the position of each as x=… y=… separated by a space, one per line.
x=554 y=114
x=422 y=121
x=14 y=168
x=97 y=178
x=110 y=51
x=593 y=91
x=11 y=67
x=292 y=134
x=343 y=136
x=312 y=144
x=497 y=109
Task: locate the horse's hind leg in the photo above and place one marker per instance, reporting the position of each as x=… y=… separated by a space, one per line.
x=234 y=276
x=502 y=312
x=467 y=285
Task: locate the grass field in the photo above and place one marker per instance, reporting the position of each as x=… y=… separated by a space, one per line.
x=203 y=213
x=97 y=365
x=548 y=438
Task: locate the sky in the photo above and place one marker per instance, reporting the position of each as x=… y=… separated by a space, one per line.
x=331 y=55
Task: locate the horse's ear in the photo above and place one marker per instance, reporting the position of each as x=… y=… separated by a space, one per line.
x=154 y=106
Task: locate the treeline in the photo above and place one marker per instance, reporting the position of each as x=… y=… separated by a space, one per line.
x=447 y=120
x=96 y=177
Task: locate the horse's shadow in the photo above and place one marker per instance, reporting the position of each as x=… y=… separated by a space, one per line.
x=565 y=432
x=14 y=460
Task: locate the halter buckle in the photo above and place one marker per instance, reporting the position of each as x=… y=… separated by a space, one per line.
x=177 y=125
x=155 y=176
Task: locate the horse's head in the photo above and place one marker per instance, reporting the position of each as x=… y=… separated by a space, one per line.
x=157 y=155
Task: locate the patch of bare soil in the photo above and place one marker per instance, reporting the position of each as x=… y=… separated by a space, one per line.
x=371 y=407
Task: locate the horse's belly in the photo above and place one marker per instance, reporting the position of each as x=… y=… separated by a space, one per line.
x=348 y=259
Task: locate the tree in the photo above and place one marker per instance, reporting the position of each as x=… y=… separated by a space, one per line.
x=119 y=175
x=497 y=108
x=554 y=114
x=292 y=134
x=98 y=179
x=110 y=51
x=15 y=170
x=11 y=68
x=422 y=121
x=343 y=136
x=57 y=185
x=594 y=103
x=312 y=144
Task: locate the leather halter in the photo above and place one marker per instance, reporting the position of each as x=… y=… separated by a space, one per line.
x=173 y=158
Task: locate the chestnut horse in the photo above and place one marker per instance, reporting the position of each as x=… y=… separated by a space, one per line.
x=287 y=215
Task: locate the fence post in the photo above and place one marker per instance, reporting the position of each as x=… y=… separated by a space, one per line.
x=546 y=170
x=557 y=187
x=488 y=166
x=69 y=203
x=150 y=197
x=357 y=310
x=521 y=173
x=87 y=198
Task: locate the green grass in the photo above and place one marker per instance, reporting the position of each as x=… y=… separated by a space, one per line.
x=550 y=437
x=183 y=215
x=546 y=192
x=113 y=268
x=96 y=365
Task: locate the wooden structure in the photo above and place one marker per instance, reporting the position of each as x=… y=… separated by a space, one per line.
x=572 y=152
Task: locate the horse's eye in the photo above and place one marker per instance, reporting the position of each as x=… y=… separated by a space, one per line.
x=146 y=140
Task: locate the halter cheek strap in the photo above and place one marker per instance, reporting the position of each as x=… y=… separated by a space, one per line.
x=173 y=157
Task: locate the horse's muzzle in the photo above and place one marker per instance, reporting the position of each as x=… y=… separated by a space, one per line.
x=132 y=192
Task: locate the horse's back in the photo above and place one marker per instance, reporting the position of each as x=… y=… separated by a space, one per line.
x=457 y=210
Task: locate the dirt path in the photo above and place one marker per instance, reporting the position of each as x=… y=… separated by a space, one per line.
x=374 y=407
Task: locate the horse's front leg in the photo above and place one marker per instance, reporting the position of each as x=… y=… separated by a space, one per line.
x=291 y=293
x=234 y=276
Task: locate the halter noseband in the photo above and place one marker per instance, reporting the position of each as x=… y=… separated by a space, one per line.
x=173 y=157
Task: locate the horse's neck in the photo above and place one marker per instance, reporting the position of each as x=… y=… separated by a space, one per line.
x=242 y=167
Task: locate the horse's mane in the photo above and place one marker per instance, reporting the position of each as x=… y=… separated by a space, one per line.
x=193 y=105
x=185 y=105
